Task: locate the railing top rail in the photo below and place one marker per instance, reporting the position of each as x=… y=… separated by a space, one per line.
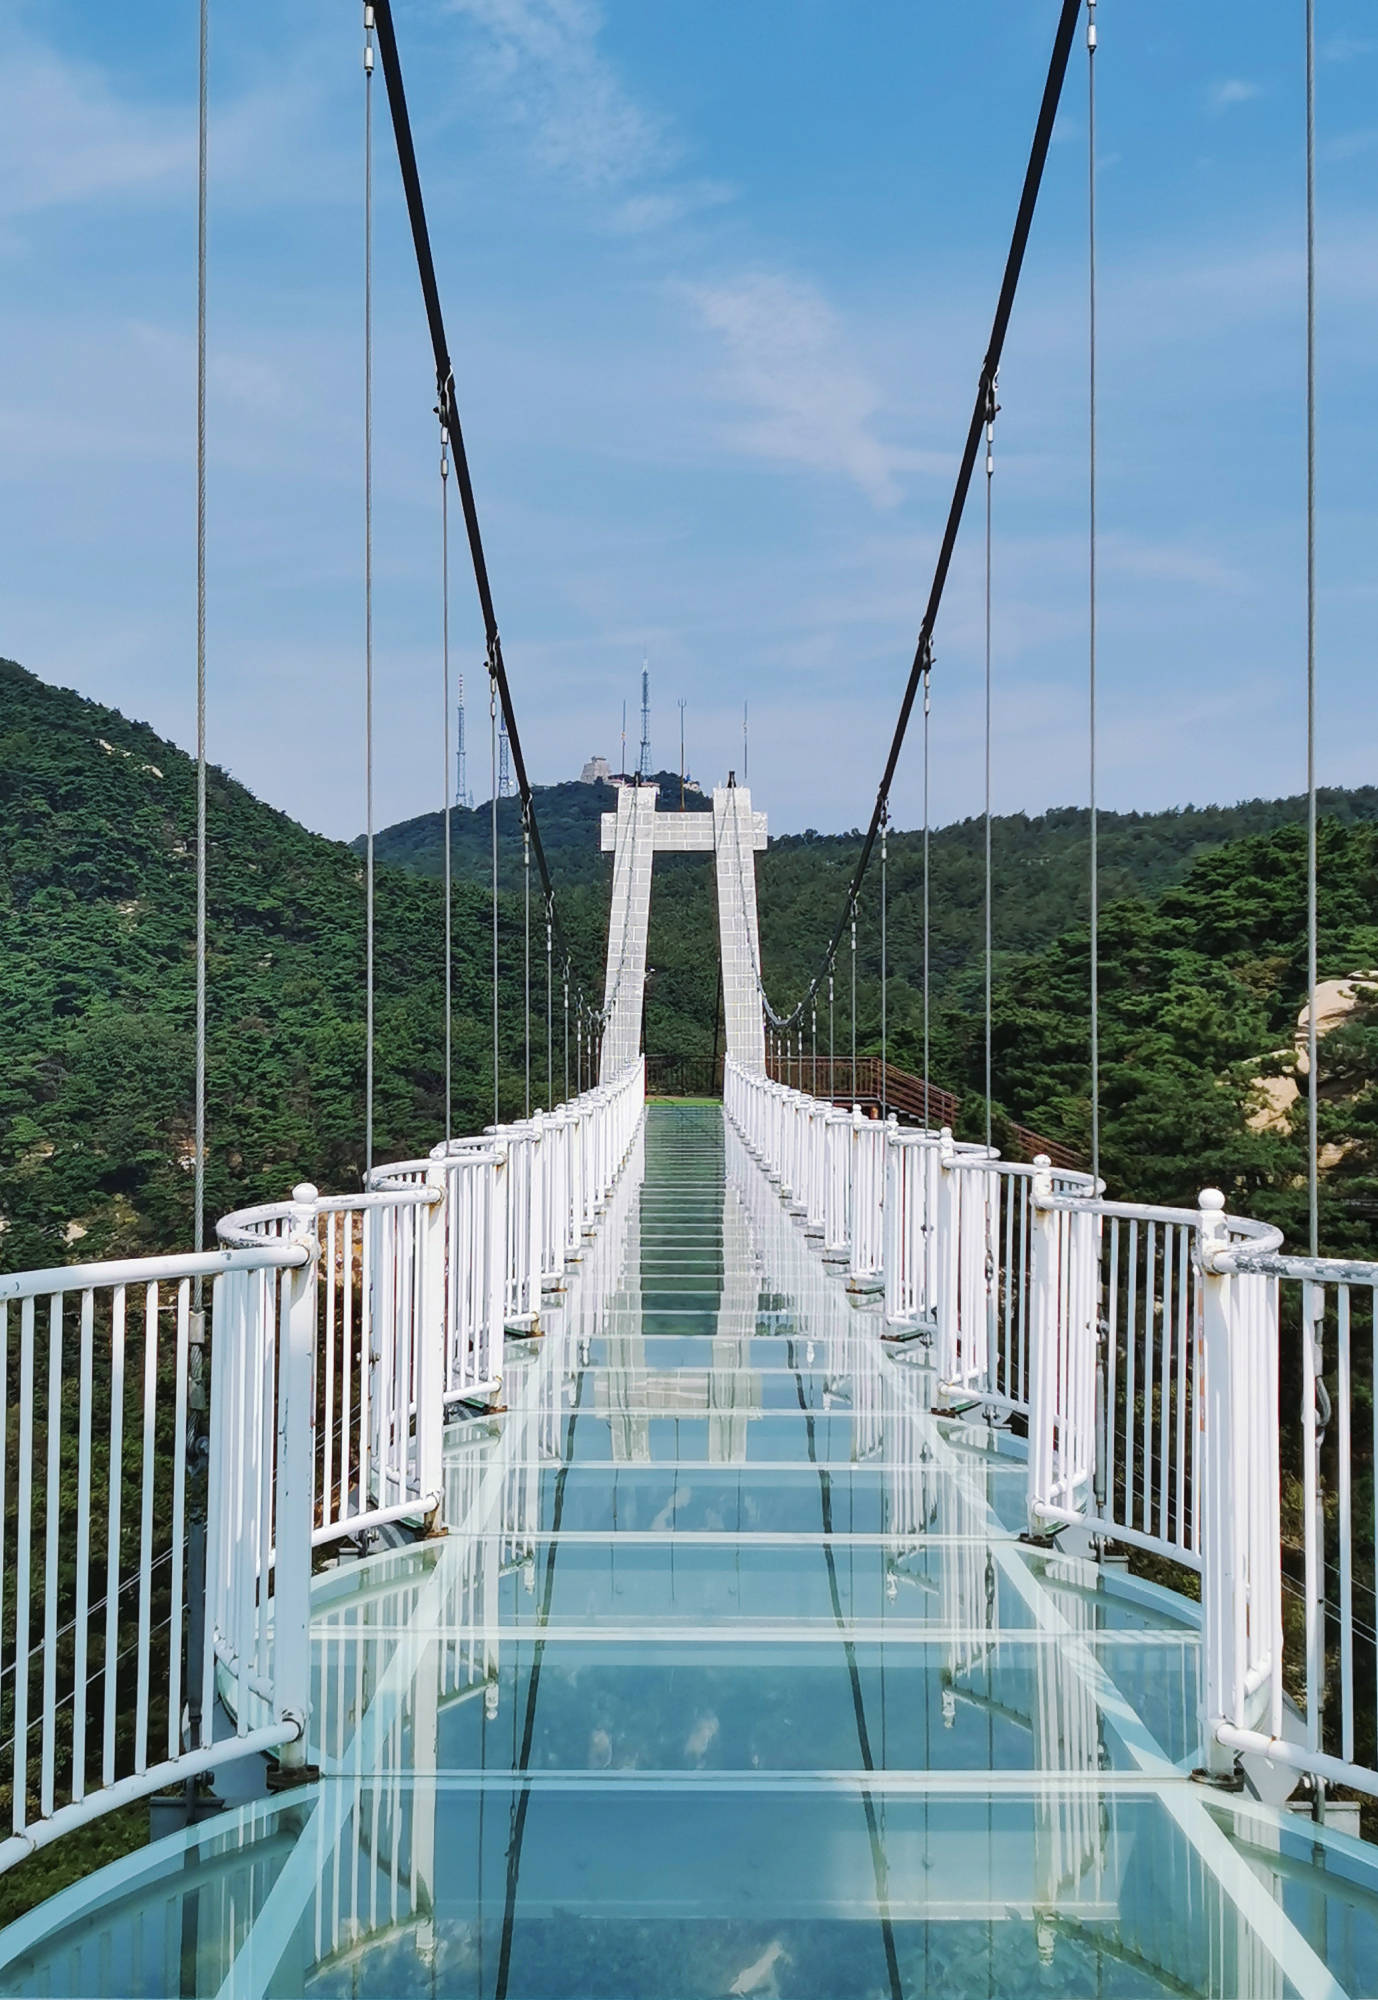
x=974 y=1159
x=1265 y=1262
x=1262 y=1235
x=480 y=1152
x=269 y=1253
x=1122 y=1211
x=485 y=1146
x=240 y=1227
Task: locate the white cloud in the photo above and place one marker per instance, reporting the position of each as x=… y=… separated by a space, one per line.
x=641 y=213
x=1169 y=562
x=1234 y=90
x=810 y=402
x=545 y=62
x=1351 y=145
x=67 y=137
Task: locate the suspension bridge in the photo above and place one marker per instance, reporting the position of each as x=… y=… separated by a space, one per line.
x=653 y=1547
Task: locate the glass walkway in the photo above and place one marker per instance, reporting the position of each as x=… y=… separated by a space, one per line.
x=735 y=1679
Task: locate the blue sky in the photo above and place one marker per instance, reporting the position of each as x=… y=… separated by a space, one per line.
x=718 y=279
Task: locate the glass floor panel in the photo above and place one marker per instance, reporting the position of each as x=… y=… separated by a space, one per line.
x=552 y=1890
x=736 y=1500
x=637 y=1702
x=731 y=1678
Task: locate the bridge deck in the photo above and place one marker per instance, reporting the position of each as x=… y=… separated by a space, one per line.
x=736 y=1679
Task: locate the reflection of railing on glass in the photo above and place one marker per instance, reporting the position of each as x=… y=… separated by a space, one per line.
x=1137 y=1348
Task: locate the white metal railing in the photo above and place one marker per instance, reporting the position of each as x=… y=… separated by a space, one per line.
x=96 y=1375
x=1139 y=1349
x=341 y=1328
x=1295 y=1675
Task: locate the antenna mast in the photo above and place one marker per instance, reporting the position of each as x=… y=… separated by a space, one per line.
x=622 y=768
x=643 y=769
x=681 y=753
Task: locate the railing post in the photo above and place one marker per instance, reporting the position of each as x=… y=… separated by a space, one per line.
x=295 y=1496
x=535 y=1264
x=433 y=1339
x=946 y=1263
x=1235 y=1593
x=497 y=1256
x=895 y=1221
x=1044 y=1288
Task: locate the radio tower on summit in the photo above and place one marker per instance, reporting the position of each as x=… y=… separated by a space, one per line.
x=643 y=769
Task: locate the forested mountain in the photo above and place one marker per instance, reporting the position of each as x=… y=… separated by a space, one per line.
x=1202 y=974
x=97 y=972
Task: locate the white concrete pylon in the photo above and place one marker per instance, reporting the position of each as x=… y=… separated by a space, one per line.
x=634 y=834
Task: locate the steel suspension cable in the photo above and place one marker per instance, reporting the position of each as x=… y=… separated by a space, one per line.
x=1313 y=1186
x=549 y=1015
x=884 y=966
x=991 y=410
x=493 y=886
x=526 y=963
x=202 y=179
x=927 y=1018
x=445 y=680
x=1094 y=822
x=853 y=1003
x=193 y=1447
x=368 y=589
x=922 y=661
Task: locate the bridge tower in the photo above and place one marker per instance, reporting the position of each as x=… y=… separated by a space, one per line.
x=733 y=834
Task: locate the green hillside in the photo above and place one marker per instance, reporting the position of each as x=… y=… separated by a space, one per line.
x=1202 y=976
x=97 y=907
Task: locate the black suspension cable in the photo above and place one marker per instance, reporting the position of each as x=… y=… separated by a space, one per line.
x=416 y=213
x=380 y=16
x=923 y=650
